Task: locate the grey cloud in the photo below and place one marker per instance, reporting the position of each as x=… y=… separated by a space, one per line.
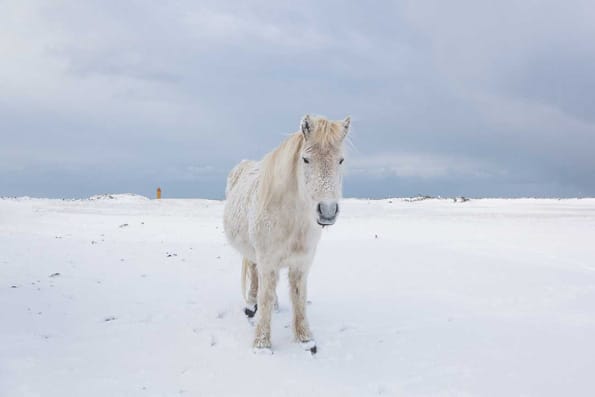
x=160 y=93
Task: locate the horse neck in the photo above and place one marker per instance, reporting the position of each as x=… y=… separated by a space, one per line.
x=281 y=182
x=286 y=189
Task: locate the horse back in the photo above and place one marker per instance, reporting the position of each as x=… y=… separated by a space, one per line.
x=244 y=167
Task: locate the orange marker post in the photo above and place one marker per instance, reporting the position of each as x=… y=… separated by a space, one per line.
x=158 y=193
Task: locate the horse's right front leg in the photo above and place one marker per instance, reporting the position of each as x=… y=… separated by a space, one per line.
x=267 y=285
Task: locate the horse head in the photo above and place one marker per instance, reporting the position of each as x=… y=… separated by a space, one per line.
x=321 y=162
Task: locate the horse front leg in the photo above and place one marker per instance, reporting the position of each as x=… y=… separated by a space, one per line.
x=267 y=285
x=297 y=284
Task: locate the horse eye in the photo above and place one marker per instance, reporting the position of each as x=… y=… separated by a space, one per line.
x=341 y=161
x=306 y=160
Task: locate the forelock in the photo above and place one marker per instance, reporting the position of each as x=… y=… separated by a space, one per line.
x=327 y=135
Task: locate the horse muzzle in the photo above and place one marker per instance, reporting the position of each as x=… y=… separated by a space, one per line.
x=327 y=212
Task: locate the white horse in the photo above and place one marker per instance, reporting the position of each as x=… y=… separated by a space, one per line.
x=274 y=212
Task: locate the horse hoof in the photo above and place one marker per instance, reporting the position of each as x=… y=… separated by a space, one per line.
x=250 y=312
x=262 y=351
x=310 y=346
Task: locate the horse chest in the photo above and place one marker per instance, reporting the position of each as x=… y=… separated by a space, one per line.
x=288 y=243
x=301 y=241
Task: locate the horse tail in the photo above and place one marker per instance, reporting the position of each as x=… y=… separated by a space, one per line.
x=245 y=270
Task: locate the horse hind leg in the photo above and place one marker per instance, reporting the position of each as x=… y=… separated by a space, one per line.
x=250 y=274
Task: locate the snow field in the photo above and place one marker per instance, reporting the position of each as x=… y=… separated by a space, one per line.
x=126 y=296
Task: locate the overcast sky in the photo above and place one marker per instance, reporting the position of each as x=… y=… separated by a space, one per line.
x=474 y=98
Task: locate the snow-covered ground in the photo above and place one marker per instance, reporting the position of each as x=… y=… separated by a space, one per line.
x=127 y=296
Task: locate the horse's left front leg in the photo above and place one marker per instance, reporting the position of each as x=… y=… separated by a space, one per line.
x=298 y=279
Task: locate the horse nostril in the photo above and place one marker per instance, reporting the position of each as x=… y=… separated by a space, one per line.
x=328 y=210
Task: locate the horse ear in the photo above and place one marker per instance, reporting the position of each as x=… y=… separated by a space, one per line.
x=346 y=125
x=306 y=126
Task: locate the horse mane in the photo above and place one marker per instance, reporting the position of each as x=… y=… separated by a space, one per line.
x=278 y=170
